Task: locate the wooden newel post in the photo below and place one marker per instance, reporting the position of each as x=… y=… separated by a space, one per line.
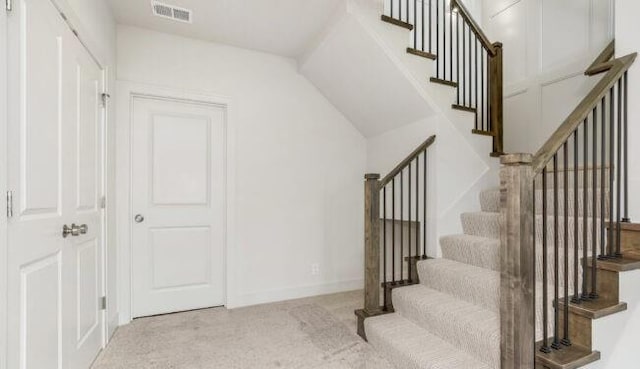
x=517 y=306
x=372 y=244
x=496 y=98
x=371 y=252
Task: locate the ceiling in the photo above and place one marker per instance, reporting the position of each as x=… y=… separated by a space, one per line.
x=283 y=27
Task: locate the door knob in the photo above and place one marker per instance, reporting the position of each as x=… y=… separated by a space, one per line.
x=83 y=229
x=67 y=231
x=139 y=218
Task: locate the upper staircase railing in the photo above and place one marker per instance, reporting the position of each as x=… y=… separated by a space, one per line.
x=396 y=213
x=465 y=58
x=562 y=211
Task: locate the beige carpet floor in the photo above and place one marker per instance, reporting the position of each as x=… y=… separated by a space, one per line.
x=316 y=332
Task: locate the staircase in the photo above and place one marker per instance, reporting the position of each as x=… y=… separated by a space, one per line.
x=541 y=263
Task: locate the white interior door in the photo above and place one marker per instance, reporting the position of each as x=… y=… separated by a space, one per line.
x=178 y=181
x=54 y=282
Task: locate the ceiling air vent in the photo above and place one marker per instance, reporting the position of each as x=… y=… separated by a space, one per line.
x=171 y=12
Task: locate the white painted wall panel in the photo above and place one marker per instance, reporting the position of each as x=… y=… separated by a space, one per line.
x=547 y=45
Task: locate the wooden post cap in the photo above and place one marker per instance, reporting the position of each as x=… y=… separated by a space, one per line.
x=516 y=159
x=371 y=176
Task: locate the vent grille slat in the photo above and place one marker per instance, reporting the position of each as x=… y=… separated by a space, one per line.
x=171 y=12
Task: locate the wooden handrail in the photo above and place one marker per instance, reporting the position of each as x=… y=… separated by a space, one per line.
x=475 y=27
x=603 y=62
x=414 y=154
x=581 y=112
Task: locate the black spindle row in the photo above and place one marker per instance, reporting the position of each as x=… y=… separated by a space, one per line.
x=403 y=195
x=580 y=200
x=441 y=31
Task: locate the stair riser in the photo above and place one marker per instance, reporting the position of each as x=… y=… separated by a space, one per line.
x=481 y=288
x=490 y=202
x=481 y=254
x=488 y=225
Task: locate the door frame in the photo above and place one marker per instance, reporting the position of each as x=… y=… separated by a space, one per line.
x=126 y=93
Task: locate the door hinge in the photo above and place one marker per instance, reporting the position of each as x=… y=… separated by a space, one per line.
x=103 y=303
x=103 y=202
x=9 y=5
x=105 y=98
x=9 y=204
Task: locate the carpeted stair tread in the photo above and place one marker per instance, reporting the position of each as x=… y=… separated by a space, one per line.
x=487 y=224
x=409 y=346
x=466 y=282
x=473 y=250
x=466 y=326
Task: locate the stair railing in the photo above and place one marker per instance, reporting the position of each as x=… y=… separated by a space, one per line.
x=396 y=213
x=561 y=212
x=445 y=31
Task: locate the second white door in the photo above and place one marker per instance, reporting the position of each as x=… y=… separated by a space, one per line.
x=178 y=186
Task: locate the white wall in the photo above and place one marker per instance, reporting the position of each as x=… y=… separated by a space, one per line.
x=96 y=26
x=627 y=41
x=547 y=46
x=298 y=171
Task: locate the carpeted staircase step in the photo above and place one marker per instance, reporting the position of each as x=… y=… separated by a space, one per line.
x=466 y=326
x=473 y=250
x=466 y=282
x=487 y=225
x=409 y=346
x=481 y=224
x=490 y=201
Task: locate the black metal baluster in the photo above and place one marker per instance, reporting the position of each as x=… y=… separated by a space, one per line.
x=469 y=87
x=556 y=258
x=619 y=174
x=437 y=39
x=402 y=226
x=576 y=214
x=611 y=248
x=384 y=243
x=410 y=226
x=417 y=206
x=393 y=229
x=475 y=57
x=407 y=11
x=464 y=64
x=415 y=24
x=430 y=22
x=545 y=264
x=585 y=208
x=450 y=43
x=444 y=39
x=626 y=218
x=565 y=340
x=482 y=76
x=422 y=47
x=594 y=213
x=603 y=253
x=459 y=80
x=424 y=206
x=391 y=8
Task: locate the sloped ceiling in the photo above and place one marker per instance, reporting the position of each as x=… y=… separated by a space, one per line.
x=282 y=27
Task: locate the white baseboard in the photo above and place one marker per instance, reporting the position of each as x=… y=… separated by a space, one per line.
x=263 y=297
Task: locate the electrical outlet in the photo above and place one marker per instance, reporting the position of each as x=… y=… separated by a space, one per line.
x=315 y=269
